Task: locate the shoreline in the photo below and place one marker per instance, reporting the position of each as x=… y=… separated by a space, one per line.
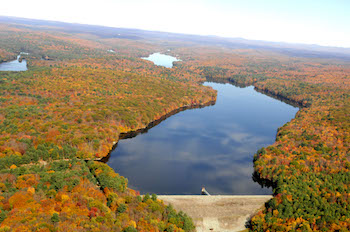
x=133 y=133
x=266 y=92
x=280 y=97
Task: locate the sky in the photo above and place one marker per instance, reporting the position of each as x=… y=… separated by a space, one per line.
x=322 y=22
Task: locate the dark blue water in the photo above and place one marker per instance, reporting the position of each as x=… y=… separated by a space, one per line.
x=211 y=147
x=161 y=60
x=14 y=65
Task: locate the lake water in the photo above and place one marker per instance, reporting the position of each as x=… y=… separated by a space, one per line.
x=161 y=59
x=211 y=147
x=14 y=65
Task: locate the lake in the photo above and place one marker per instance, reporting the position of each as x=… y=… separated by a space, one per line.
x=161 y=59
x=211 y=147
x=14 y=65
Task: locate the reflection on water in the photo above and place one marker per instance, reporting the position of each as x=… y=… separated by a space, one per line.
x=161 y=60
x=211 y=147
x=14 y=65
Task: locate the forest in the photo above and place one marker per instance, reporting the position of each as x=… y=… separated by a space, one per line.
x=308 y=165
x=67 y=111
x=64 y=114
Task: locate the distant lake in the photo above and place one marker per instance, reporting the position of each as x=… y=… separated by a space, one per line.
x=14 y=65
x=161 y=59
x=211 y=147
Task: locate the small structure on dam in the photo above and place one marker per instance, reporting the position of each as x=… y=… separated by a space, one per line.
x=205 y=192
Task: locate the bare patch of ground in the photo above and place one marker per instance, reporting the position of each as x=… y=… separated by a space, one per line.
x=217 y=213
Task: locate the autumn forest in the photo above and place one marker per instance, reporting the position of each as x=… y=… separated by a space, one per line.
x=63 y=115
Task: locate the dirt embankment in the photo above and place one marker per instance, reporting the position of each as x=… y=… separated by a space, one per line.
x=217 y=213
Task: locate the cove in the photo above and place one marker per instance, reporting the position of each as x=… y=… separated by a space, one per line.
x=161 y=59
x=211 y=146
x=15 y=65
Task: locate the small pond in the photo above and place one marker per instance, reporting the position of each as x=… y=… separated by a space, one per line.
x=14 y=65
x=161 y=59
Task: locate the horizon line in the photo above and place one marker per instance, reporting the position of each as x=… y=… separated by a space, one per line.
x=181 y=33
